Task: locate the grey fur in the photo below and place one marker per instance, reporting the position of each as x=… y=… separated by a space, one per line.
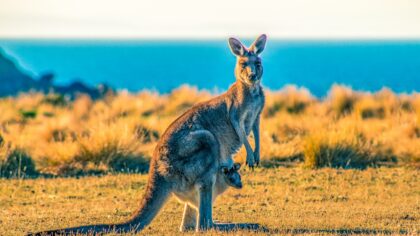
x=225 y=178
x=187 y=158
x=231 y=175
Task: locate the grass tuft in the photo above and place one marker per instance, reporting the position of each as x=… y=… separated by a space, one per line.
x=342 y=99
x=16 y=163
x=290 y=99
x=28 y=114
x=55 y=100
x=334 y=150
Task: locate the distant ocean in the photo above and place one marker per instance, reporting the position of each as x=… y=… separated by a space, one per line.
x=165 y=65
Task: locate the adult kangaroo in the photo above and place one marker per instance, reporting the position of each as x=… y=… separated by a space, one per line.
x=187 y=158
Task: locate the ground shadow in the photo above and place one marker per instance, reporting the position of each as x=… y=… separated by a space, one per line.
x=340 y=231
x=226 y=227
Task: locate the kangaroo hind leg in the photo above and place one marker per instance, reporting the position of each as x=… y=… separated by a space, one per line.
x=196 y=140
x=189 y=219
x=205 y=209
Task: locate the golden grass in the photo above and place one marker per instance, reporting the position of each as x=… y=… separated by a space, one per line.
x=286 y=201
x=340 y=149
x=16 y=164
x=118 y=133
x=65 y=137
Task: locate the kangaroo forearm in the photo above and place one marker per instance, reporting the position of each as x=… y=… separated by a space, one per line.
x=242 y=135
x=257 y=142
x=245 y=141
x=256 y=131
x=247 y=145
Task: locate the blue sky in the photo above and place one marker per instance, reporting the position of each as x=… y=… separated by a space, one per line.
x=209 y=19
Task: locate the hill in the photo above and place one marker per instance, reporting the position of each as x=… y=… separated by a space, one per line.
x=13 y=81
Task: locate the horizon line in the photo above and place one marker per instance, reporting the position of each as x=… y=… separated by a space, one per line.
x=216 y=38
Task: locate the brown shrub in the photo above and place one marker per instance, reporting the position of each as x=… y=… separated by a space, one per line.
x=16 y=163
x=341 y=99
x=291 y=99
x=334 y=150
x=368 y=107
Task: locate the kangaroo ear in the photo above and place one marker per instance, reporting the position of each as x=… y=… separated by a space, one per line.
x=237 y=48
x=236 y=166
x=224 y=169
x=259 y=44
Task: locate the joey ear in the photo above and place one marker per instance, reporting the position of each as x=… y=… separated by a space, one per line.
x=236 y=166
x=237 y=48
x=259 y=44
x=224 y=169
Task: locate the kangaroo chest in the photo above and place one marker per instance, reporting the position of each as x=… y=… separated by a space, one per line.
x=252 y=111
x=191 y=195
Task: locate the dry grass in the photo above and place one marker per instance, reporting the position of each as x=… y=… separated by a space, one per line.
x=15 y=163
x=284 y=200
x=119 y=132
x=347 y=129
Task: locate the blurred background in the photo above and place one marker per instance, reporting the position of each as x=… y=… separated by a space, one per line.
x=160 y=45
x=90 y=86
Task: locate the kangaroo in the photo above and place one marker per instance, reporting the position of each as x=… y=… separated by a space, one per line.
x=225 y=178
x=231 y=177
x=187 y=158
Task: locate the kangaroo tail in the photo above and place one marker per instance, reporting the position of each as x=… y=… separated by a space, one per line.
x=157 y=192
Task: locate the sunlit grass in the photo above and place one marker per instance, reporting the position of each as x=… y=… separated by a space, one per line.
x=287 y=201
x=64 y=137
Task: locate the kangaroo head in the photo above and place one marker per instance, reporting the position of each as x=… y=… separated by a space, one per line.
x=232 y=176
x=248 y=68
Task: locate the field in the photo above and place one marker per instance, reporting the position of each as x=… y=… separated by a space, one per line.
x=283 y=200
x=51 y=135
x=345 y=163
